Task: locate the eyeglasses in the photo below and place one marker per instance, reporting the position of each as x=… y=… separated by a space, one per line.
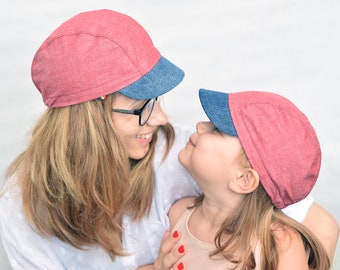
x=144 y=113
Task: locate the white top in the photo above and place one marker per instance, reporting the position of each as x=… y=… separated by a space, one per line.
x=28 y=250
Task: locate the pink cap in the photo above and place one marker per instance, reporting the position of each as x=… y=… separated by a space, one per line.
x=276 y=136
x=99 y=52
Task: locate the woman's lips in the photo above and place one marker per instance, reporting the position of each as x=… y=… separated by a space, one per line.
x=146 y=138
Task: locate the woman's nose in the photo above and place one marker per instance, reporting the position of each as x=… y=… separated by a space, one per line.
x=158 y=117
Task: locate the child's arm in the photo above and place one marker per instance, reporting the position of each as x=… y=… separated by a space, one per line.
x=292 y=253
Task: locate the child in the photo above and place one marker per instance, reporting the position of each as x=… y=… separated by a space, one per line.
x=258 y=154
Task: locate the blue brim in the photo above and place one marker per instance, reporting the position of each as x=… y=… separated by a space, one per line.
x=216 y=107
x=163 y=77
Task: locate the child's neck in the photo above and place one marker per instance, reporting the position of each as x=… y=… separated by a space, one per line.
x=207 y=219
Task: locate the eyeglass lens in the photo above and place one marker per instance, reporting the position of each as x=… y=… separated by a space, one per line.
x=146 y=113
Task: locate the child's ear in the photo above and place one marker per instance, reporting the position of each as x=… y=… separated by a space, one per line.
x=245 y=183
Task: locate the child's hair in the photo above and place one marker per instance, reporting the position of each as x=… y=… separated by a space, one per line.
x=250 y=233
x=252 y=227
x=75 y=176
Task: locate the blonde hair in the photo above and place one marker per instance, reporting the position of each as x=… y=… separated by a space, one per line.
x=76 y=180
x=252 y=226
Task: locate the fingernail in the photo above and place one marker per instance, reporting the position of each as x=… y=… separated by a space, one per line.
x=181 y=249
x=175 y=234
x=180 y=266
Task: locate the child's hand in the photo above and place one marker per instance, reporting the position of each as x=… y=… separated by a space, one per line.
x=170 y=253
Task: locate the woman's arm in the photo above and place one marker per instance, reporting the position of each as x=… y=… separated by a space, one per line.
x=291 y=250
x=324 y=226
x=146 y=267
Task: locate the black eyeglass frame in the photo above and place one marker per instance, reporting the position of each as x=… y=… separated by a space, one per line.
x=139 y=111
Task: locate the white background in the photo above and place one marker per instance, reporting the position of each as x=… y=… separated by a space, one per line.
x=288 y=47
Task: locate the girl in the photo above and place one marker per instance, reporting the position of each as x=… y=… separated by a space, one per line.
x=258 y=154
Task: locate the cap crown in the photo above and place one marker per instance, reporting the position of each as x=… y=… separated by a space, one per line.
x=279 y=142
x=277 y=137
x=92 y=54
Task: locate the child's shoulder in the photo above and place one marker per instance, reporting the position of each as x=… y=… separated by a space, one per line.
x=178 y=208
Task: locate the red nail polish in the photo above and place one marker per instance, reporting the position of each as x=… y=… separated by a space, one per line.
x=181 y=249
x=180 y=266
x=175 y=234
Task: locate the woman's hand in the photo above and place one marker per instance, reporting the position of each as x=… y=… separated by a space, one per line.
x=170 y=253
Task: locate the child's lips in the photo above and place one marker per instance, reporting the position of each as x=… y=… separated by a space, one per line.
x=191 y=142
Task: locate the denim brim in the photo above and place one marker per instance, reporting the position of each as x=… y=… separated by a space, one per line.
x=163 y=77
x=216 y=107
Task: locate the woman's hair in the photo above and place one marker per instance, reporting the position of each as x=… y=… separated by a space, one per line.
x=253 y=227
x=76 y=180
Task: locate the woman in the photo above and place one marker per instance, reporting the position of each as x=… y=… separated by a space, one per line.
x=103 y=147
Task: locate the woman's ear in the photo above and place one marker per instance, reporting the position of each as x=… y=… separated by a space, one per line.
x=247 y=182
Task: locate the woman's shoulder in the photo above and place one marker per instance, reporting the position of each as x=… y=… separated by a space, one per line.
x=10 y=190
x=11 y=203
